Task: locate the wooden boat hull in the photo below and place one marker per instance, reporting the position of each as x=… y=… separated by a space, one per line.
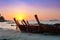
x=40 y=28
x=34 y=29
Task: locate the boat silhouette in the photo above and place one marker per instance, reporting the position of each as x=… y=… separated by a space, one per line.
x=40 y=28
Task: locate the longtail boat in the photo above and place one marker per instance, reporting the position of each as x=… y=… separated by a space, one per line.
x=40 y=28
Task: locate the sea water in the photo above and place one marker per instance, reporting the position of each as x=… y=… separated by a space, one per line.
x=8 y=32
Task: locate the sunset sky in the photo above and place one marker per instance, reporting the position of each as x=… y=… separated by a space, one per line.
x=45 y=9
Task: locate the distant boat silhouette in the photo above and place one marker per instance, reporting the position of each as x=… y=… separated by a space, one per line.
x=2 y=18
x=54 y=20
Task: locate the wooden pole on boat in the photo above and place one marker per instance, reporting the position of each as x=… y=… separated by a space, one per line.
x=17 y=23
x=36 y=17
x=24 y=22
x=28 y=23
x=40 y=29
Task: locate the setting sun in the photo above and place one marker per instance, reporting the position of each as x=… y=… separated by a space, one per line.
x=20 y=16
